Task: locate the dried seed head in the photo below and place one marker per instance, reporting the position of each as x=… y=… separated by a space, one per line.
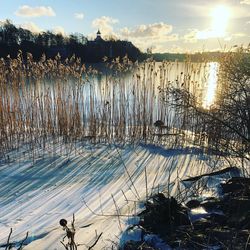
x=63 y=222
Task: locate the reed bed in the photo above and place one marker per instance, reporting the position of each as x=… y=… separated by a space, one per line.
x=55 y=100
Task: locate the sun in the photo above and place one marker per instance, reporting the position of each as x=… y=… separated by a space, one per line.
x=220 y=18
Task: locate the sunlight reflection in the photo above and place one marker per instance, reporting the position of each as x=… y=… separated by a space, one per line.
x=211 y=85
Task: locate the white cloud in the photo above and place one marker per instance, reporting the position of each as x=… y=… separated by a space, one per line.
x=240 y=34
x=191 y=36
x=105 y=24
x=151 y=30
x=28 y=11
x=147 y=36
x=206 y=34
x=2 y=23
x=79 y=16
x=240 y=11
x=31 y=27
x=234 y=36
x=194 y=35
x=157 y=48
x=143 y=36
x=59 y=30
x=245 y=2
x=178 y=49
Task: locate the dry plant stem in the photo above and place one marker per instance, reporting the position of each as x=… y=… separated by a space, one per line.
x=26 y=237
x=73 y=222
x=97 y=239
x=247 y=243
x=146 y=182
x=8 y=244
x=126 y=199
x=70 y=234
x=129 y=176
x=117 y=211
x=64 y=245
x=105 y=215
x=54 y=98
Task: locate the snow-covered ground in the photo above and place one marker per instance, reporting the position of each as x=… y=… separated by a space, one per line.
x=90 y=181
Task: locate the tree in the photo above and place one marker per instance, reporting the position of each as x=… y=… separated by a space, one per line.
x=234 y=96
x=10 y=33
x=226 y=124
x=25 y=35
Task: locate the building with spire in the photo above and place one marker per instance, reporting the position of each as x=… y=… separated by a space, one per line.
x=98 y=37
x=95 y=50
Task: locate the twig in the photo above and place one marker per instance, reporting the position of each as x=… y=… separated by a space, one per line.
x=129 y=176
x=104 y=215
x=73 y=222
x=8 y=240
x=100 y=202
x=86 y=225
x=146 y=182
x=95 y=241
x=246 y=246
x=117 y=211
x=126 y=199
x=70 y=234
x=26 y=237
x=64 y=245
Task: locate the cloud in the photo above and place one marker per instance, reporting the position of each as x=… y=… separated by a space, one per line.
x=27 y=11
x=2 y=23
x=147 y=36
x=240 y=34
x=194 y=35
x=79 y=16
x=191 y=36
x=178 y=49
x=59 y=30
x=31 y=27
x=239 y=11
x=151 y=30
x=245 y=2
x=235 y=36
x=143 y=36
x=105 y=24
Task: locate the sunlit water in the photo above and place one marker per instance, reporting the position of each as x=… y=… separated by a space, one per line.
x=132 y=97
x=201 y=79
x=211 y=85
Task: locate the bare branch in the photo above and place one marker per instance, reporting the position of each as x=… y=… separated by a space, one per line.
x=8 y=240
x=95 y=241
x=26 y=237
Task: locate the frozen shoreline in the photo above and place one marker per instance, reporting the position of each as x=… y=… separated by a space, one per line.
x=34 y=197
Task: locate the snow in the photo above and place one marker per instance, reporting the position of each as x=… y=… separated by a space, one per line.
x=41 y=187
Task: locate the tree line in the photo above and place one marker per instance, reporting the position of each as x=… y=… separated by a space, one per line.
x=13 y=39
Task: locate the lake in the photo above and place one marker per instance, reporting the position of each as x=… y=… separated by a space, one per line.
x=109 y=104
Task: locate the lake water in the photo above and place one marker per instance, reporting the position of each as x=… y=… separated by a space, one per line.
x=110 y=103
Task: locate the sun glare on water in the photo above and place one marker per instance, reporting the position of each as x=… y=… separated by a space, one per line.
x=211 y=85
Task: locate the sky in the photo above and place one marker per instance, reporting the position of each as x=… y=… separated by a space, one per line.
x=161 y=25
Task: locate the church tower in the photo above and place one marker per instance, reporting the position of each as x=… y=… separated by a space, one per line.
x=98 y=36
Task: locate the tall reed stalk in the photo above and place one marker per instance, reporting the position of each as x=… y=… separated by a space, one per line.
x=62 y=100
